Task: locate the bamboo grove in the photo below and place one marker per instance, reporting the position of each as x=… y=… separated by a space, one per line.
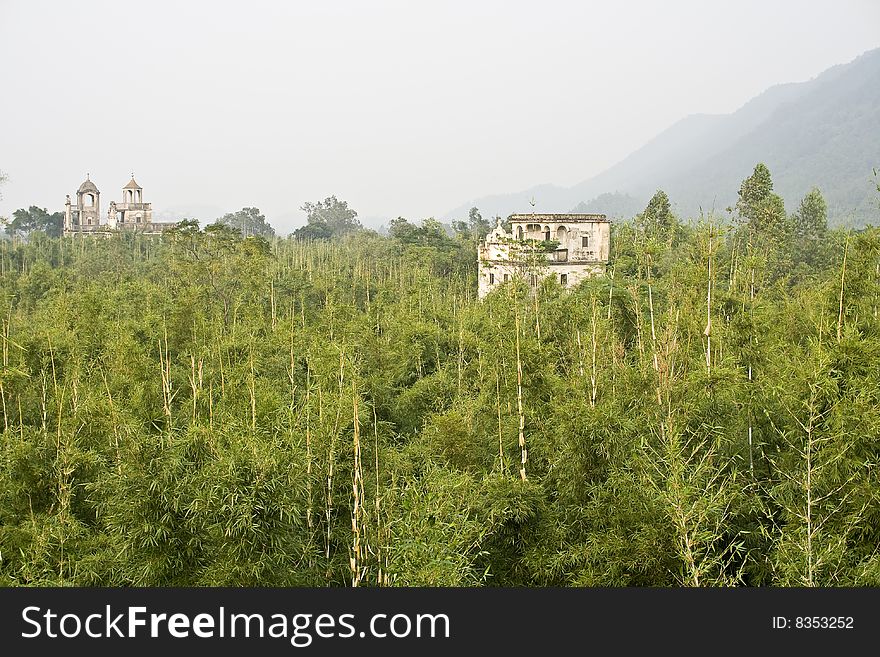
x=208 y=410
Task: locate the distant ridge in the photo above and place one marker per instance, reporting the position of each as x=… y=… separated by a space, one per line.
x=824 y=133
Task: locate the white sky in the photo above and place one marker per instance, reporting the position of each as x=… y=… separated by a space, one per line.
x=401 y=108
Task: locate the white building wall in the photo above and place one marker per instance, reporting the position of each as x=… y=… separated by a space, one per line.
x=588 y=245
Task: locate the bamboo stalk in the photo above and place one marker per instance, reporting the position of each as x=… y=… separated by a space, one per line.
x=357 y=488
x=193 y=385
x=331 y=453
x=610 y=293
x=594 y=373
x=708 y=330
x=500 y=433
x=377 y=497
x=519 y=405
x=651 y=312
x=252 y=391
x=637 y=309
x=842 y=282
x=272 y=300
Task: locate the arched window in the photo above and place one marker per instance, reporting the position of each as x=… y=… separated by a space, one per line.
x=546 y=233
x=129 y=196
x=519 y=232
x=561 y=234
x=91 y=199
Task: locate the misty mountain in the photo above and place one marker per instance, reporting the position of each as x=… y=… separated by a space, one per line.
x=824 y=133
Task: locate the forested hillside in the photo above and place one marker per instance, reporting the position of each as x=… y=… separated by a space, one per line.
x=210 y=410
x=823 y=133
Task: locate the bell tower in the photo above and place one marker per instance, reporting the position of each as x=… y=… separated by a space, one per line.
x=133 y=212
x=132 y=192
x=88 y=204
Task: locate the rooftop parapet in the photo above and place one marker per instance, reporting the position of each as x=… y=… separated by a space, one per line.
x=558 y=218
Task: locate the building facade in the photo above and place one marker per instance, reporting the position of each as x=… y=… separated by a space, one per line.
x=84 y=216
x=569 y=247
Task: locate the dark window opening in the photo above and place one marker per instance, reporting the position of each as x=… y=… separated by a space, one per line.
x=505 y=278
x=585 y=241
x=563 y=279
x=491 y=279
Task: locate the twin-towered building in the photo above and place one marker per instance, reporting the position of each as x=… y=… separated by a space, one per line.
x=569 y=247
x=84 y=216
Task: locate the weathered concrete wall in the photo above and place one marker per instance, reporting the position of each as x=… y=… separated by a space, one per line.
x=584 y=245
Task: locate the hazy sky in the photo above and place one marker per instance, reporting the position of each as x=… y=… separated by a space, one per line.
x=401 y=108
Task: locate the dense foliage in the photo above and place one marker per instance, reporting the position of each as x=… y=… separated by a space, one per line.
x=26 y=221
x=327 y=219
x=248 y=221
x=203 y=409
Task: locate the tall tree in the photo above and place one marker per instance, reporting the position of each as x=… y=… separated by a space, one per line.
x=34 y=218
x=760 y=208
x=657 y=220
x=249 y=221
x=811 y=219
x=327 y=219
x=475 y=228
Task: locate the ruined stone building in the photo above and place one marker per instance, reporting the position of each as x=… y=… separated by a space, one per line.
x=84 y=216
x=569 y=247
